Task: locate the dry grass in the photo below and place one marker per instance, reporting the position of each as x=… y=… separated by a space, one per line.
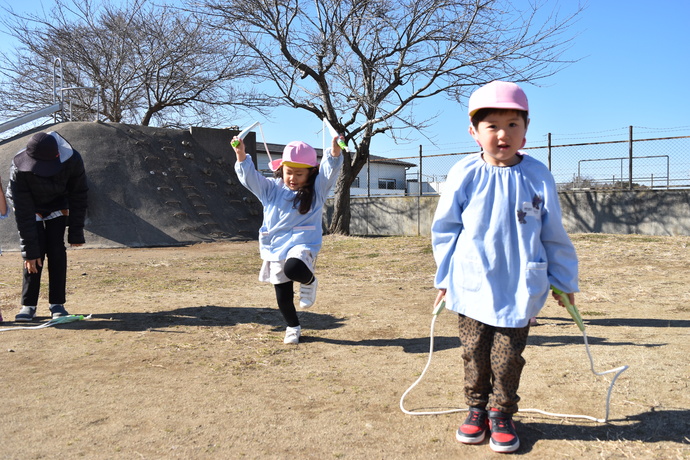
x=183 y=358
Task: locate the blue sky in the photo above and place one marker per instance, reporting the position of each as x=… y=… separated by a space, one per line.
x=634 y=69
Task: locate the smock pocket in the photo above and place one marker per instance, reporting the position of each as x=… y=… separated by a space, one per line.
x=472 y=272
x=536 y=278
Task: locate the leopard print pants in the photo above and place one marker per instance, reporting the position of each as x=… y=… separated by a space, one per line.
x=493 y=364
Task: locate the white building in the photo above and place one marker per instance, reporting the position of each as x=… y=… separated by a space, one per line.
x=383 y=176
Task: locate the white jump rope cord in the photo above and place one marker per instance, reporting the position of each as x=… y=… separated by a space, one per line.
x=326 y=125
x=263 y=139
x=618 y=371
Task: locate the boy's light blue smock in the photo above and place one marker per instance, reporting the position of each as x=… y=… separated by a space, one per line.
x=499 y=242
x=284 y=227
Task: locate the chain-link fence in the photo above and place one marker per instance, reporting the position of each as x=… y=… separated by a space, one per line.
x=651 y=163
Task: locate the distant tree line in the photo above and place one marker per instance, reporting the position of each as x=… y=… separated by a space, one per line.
x=153 y=64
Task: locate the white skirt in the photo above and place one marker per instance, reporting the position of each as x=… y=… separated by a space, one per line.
x=274 y=272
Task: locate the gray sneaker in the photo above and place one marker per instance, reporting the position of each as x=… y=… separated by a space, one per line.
x=58 y=310
x=26 y=314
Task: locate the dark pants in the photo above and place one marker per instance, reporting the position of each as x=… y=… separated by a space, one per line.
x=493 y=364
x=298 y=271
x=51 y=242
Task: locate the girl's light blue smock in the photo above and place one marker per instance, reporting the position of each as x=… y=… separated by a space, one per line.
x=499 y=242
x=284 y=227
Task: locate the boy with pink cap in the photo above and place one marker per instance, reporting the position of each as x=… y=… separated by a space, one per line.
x=499 y=244
x=290 y=237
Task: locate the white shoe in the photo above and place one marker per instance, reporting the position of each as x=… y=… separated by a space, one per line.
x=307 y=294
x=292 y=334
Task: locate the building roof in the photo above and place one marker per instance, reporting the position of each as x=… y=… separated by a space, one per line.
x=390 y=161
x=276 y=151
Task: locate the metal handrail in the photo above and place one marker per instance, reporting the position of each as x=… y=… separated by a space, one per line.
x=58 y=105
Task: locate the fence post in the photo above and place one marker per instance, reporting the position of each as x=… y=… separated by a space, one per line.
x=419 y=194
x=368 y=177
x=630 y=158
x=420 y=170
x=549 y=150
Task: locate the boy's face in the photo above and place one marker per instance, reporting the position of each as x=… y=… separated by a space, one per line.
x=295 y=178
x=501 y=134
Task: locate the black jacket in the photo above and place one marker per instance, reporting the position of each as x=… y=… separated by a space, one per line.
x=30 y=194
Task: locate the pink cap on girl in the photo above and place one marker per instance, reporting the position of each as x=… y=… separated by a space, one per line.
x=296 y=154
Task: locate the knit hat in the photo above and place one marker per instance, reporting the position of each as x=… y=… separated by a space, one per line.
x=296 y=154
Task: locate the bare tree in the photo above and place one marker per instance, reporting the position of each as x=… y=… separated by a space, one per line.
x=150 y=63
x=362 y=64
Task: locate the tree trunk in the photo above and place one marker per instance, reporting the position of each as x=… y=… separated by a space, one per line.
x=340 y=222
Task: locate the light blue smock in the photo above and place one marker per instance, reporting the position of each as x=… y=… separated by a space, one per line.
x=284 y=227
x=499 y=242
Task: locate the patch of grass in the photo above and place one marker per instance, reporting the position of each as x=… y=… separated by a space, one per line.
x=427 y=250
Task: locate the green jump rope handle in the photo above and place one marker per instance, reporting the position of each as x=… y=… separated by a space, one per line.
x=572 y=309
x=235 y=143
x=67 y=319
x=439 y=308
x=342 y=144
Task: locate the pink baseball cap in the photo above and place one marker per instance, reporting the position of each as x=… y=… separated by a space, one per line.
x=296 y=154
x=498 y=95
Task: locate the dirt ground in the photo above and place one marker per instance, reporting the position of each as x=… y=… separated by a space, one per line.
x=183 y=358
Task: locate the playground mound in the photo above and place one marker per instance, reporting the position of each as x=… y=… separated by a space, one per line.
x=152 y=186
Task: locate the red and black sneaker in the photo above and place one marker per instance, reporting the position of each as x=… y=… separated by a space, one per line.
x=473 y=429
x=504 y=439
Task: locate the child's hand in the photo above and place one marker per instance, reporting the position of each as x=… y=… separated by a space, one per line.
x=571 y=298
x=441 y=294
x=335 y=145
x=238 y=145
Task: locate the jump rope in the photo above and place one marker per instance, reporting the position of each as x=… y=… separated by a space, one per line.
x=575 y=314
x=327 y=126
x=52 y=322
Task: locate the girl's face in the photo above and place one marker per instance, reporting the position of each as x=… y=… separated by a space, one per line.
x=501 y=135
x=295 y=178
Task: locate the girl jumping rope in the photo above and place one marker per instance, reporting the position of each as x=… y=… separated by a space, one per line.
x=290 y=236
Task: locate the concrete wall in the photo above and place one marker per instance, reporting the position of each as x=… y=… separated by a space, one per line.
x=624 y=212
x=651 y=212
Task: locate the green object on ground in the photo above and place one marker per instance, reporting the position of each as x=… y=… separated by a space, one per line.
x=67 y=319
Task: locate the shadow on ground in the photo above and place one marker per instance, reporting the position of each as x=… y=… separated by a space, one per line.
x=647 y=427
